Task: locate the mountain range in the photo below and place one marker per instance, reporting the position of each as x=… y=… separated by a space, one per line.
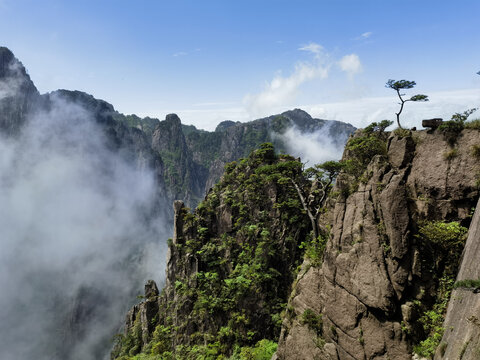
x=179 y=162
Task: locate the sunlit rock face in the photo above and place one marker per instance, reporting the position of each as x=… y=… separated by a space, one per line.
x=378 y=277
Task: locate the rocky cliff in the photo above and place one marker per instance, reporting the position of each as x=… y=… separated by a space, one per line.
x=392 y=255
x=194 y=159
x=18 y=94
x=375 y=284
x=230 y=266
x=462 y=323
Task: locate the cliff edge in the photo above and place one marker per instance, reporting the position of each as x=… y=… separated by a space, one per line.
x=385 y=269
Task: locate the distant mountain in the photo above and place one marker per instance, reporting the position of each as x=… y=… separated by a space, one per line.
x=185 y=162
x=188 y=161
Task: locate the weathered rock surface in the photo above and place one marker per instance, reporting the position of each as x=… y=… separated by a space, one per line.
x=230 y=264
x=18 y=94
x=462 y=323
x=373 y=267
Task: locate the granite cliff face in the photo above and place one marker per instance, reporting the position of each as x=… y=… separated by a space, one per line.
x=229 y=267
x=378 y=275
x=18 y=95
x=462 y=325
x=378 y=288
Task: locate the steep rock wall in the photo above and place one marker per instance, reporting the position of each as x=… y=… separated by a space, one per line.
x=230 y=266
x=374 y=268
x=462 y=323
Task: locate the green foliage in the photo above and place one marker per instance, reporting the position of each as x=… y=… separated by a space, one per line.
x=313 y=321
x=378 y=127
x=467 y=284
x=451 y=129
x=161 y=341
x=462 y=117
x=364 y=148
x=314 y=249
x=474 y=124
x=205 y=145
x=331 y=168
x=129 y=345
x=402 y=133
x=432 y=320
x=445 y=234
x=444 y=243
x=361 y=340
x=235 y=299
x=147 y=125
x=398 y=85
x=361 y=149
x=263 y=350
x=427 y=347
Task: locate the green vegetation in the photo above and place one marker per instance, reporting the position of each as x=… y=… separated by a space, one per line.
x=451 y=129
x=315 y=249
x=467 y=284
x=432 y=321
x=473 y=124
x=444 y=241
x=402 y=133
x=147 y=125
x=206 y=145
x=231 y=305
x=313 y=321
x=398 y=85
x=361 y=149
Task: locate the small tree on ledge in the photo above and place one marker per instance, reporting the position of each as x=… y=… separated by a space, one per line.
x=400 y=85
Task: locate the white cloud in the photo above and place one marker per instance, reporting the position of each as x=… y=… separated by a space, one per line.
x=72 y=215
x=283 y=90
x=180 y=53
x=313 y=147
x=366 y=35
x=213 y=104
x=313 y=48
x=350 y=64
x=361 y=112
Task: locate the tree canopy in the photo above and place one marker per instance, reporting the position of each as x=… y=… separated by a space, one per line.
x=398 y=85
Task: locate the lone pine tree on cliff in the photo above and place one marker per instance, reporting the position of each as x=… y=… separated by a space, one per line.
x=398 y=85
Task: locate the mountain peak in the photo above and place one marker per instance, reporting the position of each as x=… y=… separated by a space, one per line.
x=173 y=118
x=297 y=113
x=224 y=125
x=10 y=66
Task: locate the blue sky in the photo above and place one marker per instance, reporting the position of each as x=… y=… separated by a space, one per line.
x=214 y=60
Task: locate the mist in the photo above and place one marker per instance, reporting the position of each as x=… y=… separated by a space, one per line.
x=313 y=147
x=79 y=234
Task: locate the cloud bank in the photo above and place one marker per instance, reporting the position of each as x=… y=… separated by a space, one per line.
x=74 y=232
x=313 y=147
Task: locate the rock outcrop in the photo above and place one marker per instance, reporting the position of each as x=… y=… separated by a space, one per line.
x=18 y=94
x=230 y=265
x=375 y=268
x=462 y=323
